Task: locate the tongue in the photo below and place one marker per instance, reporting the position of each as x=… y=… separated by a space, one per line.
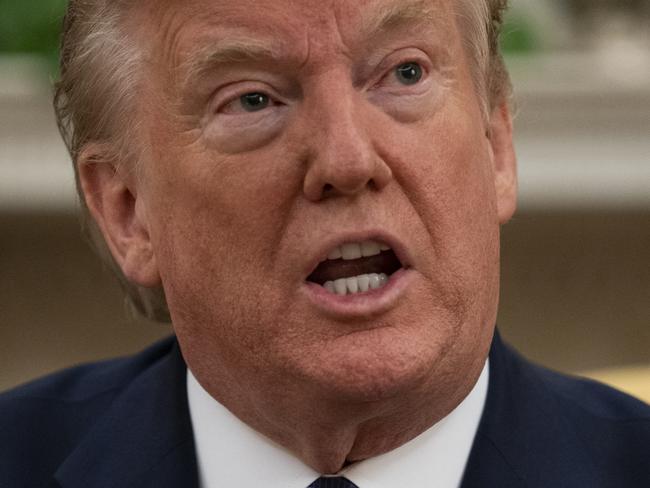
x=332 y=270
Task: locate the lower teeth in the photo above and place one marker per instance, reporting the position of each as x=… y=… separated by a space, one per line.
x=357 y=284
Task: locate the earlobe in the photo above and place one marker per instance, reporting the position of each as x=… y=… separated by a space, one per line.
x=112 y=199
x=504 y=161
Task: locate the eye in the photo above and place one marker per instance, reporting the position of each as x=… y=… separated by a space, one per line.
x=409 y=73
x=254 y=102
x=248 y=103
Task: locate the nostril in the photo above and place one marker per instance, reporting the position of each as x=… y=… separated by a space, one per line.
x=327 y=188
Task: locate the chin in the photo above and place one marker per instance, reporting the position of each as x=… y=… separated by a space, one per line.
x=374 y=366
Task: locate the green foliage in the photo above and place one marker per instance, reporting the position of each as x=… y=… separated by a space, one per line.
x=519 y=35
x=31 y=26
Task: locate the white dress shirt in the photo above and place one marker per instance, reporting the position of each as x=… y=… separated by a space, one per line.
x=230 y=453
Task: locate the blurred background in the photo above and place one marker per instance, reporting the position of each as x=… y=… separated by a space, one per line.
x=576 y=258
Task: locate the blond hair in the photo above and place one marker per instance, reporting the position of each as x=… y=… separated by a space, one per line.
x=100 y=70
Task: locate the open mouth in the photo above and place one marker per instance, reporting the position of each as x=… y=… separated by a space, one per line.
x=355 y=268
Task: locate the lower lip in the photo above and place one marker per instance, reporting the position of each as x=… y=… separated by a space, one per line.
x=372 y=302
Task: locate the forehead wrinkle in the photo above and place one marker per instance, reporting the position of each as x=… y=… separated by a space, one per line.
x=170 y=36
x=194 y=39
x=395 y=14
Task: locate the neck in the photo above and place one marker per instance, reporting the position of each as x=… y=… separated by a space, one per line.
x=327 y=435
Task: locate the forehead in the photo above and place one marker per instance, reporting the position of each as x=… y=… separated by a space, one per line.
x=301 y=27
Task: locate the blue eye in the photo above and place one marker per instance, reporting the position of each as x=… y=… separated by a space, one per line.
x=254 y=102
x=409 y=73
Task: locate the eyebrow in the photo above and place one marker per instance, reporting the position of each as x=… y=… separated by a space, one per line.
x=228 y=50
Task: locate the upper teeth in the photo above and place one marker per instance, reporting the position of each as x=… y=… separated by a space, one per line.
x=356 y=250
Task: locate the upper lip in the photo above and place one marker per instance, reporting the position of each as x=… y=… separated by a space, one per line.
x=337 y=239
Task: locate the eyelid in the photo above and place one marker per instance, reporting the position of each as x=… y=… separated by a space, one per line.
x=402 y=56
x=232 y=92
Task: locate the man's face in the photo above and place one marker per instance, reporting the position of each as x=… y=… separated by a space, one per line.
x=277 y=132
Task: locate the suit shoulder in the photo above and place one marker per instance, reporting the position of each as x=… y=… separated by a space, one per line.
x=552 y=426
x=44 y=419
x=613 y=428
x=84 y=382
x=573 y=393
x=594 y=399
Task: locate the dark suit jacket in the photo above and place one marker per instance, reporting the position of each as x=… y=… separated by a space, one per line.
x=125 y=423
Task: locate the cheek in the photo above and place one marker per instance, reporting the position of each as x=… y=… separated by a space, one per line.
x=224 y=205
x=444 y=169
x=221 y=220
x=460 y=213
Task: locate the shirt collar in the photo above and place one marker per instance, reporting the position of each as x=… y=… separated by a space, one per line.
x=230 y=453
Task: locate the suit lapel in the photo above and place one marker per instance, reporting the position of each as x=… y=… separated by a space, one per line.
x=143 y=440
x=524 y=438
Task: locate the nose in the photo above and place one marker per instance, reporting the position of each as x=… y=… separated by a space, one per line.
x=343 y=160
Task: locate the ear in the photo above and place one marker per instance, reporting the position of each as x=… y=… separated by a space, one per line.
x=504 y=161
x=112 y=198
